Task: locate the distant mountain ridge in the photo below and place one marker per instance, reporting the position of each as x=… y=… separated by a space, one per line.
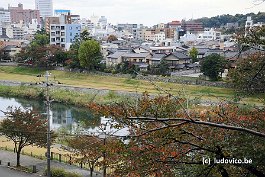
x=222 y=20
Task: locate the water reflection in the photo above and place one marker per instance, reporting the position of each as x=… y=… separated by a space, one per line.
x=64 y=118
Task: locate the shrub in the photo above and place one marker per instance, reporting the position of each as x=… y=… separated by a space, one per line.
x=59 y=172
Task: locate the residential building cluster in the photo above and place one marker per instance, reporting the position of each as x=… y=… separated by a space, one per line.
x=144 y=46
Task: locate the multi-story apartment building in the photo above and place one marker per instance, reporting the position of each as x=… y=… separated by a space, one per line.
x=62 y=19
x=64 y=34
x=49 y=21
x=1 y=30
x=192 y=26
x=59 y=12
x=159 y=37
x=72 y=19
x=149 y=34
x=18 y=14
x=86 y=24
x=4 y=19
x=209 y=35
x=4 y=16
x=170 y=33
x=131 y=28
x=103 y=22
x=45 y=7
x=174 y=24
x=18 y=33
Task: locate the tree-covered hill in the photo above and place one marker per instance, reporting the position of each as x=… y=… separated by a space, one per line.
x=221 y=20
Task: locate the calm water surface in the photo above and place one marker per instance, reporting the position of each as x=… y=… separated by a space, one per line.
x=63 y=117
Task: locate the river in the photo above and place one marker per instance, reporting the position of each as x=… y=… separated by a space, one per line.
x=64 y=118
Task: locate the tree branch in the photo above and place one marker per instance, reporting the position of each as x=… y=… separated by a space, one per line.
x=211 y=124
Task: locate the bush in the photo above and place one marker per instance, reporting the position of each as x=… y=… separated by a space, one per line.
x=59 y=172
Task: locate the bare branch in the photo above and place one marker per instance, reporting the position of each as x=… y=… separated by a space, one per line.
x=212 y=124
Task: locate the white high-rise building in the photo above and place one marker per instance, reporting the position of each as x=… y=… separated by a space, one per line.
x=45 y=7
x=4 y=16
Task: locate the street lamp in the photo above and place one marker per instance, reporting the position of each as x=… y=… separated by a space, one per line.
x=48 y=104
x=103 y=136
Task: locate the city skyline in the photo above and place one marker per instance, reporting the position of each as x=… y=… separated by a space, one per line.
x=149 y=12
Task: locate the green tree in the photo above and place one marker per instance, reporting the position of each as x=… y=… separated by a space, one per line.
x=73 y=61
x=193 y=53
x=163 y=67
x=3 y=55
x=127 y=67
x=40 y=40
x=40 y=53
x=85 y=35
x=254 y=38
x=213 y=65
x=160 y=69
x=24 y=128
x=248 y=76
x=89 y=54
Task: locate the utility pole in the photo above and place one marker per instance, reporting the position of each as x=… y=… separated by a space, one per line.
x=104 y=158
x=48 y=104
x=103 y=136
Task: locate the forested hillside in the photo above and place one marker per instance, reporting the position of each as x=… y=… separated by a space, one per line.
x=221 y=20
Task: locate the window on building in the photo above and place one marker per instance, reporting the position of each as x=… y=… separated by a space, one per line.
x=71 y=34
x=70 y=28
x=62 y=27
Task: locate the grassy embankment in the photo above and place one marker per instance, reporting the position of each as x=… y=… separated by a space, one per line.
x=114 y=84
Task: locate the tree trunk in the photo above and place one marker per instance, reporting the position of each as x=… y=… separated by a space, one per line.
x=255 y=171
x=18 y=157
x=91 y=171
x=223 y=172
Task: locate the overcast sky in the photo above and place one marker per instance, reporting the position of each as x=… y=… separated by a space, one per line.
x=149 y=12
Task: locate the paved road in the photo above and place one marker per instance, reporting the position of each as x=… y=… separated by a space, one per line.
x=6 y=156
x=6 y=172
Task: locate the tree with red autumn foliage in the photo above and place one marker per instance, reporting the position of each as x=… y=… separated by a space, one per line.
x=168 y=140
x=94 y=151
x=24 y=128
x=87 y=150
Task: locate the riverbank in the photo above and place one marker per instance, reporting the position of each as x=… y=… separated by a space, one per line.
x=79 y=97
x=111 y=82
x=81 y=88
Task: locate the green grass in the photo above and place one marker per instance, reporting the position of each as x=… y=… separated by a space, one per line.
x=131 y=81
x=21 y=70
x=114 y=84
x=63 y=96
